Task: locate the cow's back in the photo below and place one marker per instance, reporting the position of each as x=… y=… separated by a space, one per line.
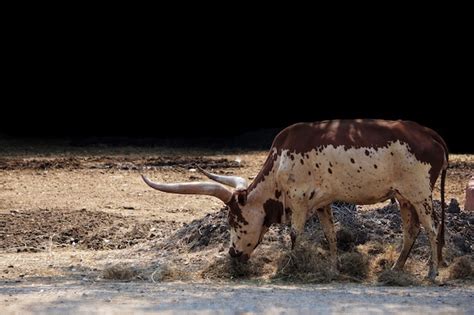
x=372 y=137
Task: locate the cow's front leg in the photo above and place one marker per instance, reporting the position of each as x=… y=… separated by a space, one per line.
x=327 y=222
x=298 y=220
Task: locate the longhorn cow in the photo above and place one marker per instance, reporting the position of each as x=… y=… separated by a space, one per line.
x=311 y=165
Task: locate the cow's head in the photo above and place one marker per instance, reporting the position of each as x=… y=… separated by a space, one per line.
x=245 y=217
x=246 y=221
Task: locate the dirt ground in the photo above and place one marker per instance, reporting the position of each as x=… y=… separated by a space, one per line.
x=233 y=298
x=79 y=230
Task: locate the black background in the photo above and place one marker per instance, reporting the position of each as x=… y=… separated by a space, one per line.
x=206 y=82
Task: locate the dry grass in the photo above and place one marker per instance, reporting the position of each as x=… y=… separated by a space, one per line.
x=385 y=260
x=169 y=272
x=461 y=268
x=226 y=268
x=354 y=265
x=120 y=272
x=382 y=259
x=372 y=248
x=396 y=278
x=306 y=263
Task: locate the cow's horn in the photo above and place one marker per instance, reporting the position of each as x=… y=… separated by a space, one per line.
x=196 y=188
x=232 y=181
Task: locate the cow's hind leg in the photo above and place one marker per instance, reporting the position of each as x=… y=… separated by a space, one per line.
x=424 y=210
x=411 y=229
x=327 y=222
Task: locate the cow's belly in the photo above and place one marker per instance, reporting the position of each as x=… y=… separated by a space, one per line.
x=359 y=185
x=366 y=195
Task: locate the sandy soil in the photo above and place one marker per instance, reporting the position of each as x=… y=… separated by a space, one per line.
x=68 y=215
x=235 y=298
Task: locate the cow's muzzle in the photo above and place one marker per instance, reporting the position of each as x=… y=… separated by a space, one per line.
x=238 y=255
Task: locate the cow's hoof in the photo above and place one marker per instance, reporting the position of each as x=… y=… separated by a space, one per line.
x=293 y=239
x=431 y=277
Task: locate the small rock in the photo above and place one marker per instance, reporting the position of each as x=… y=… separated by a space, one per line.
x=453 y=207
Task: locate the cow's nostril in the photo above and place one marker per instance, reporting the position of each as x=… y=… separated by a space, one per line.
x=234 y=253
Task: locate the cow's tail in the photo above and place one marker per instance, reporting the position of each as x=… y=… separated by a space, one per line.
x=441 y=223
x=441 y=236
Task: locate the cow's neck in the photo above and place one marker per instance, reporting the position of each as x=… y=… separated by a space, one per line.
x=264 y=186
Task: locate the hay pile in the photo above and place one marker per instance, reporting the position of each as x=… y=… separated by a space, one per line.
x=368 y=245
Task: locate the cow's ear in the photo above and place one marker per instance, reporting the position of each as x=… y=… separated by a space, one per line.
x=241 y=196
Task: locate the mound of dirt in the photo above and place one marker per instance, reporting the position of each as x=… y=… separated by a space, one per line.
x=37 y=230
x=367 y=242
x=211 y=230
x=460 y=228
x=383 y=225
x=461 y=165
x=119 y=163
x=190 y=162
x=376 y=226
x=40 y=164
x=159 y=162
